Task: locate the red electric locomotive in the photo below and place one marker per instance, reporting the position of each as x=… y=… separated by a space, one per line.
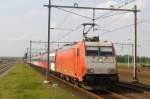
x=88 y=63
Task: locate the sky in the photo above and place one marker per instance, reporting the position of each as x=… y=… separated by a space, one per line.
x=25 y=20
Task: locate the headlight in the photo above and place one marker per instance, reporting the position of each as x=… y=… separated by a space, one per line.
x=111 y=70
x=90 y=70
x=100 y=60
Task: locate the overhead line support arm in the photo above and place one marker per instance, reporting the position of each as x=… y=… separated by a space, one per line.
x=92 y=8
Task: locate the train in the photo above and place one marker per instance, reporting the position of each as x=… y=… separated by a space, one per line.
x=85 y=63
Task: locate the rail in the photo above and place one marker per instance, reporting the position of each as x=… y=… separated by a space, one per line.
x=87 y=94
x=136 y=86
x=5 y=67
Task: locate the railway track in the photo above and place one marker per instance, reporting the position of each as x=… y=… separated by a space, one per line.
x=83 y=93
x=145 y=89
x=137 y=85
x=118 y=91
x=121 y=90
x=97 y=94
x=66 y=85
x=4 y=67
x=107 y=94
x=124 y=90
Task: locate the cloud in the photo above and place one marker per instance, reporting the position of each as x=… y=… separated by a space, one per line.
x=14 y=38
x=37 y=12
x=141 y=4
x=24 y=20
x=107 y=4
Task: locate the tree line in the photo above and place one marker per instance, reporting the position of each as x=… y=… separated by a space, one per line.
x=126 y=58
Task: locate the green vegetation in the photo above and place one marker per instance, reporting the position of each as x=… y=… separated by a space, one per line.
x=26 y=83
x=125 y=66
x=124 y=59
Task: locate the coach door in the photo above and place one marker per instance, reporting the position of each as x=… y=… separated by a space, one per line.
x=76 y=61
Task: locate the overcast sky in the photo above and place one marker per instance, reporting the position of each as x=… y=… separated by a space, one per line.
x=24 y=20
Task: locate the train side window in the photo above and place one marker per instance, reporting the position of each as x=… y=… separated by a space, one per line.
x=78 y=52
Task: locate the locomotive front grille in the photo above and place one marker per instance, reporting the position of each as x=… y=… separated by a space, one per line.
x=101 y=71
x=96 y=79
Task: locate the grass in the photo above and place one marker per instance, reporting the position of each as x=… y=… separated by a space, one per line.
x=125 y=66
x=25 y=83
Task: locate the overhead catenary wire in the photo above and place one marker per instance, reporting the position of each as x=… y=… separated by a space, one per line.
x=106 y=16
x=92 y=18
x=74 y=13
x=127 y=3
x=127 y=26
x=72 y=30
x=111 y=15
x=114 y=20
x=68 y=33
x=103 y=16
x=111 y=11
x=67 y=16
x=83 y=15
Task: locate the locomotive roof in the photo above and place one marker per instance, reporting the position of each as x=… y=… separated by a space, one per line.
x=100 y=43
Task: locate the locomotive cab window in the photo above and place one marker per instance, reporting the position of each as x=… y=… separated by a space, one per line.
x=106 y=51
x=92 y=51
x=99 y=51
